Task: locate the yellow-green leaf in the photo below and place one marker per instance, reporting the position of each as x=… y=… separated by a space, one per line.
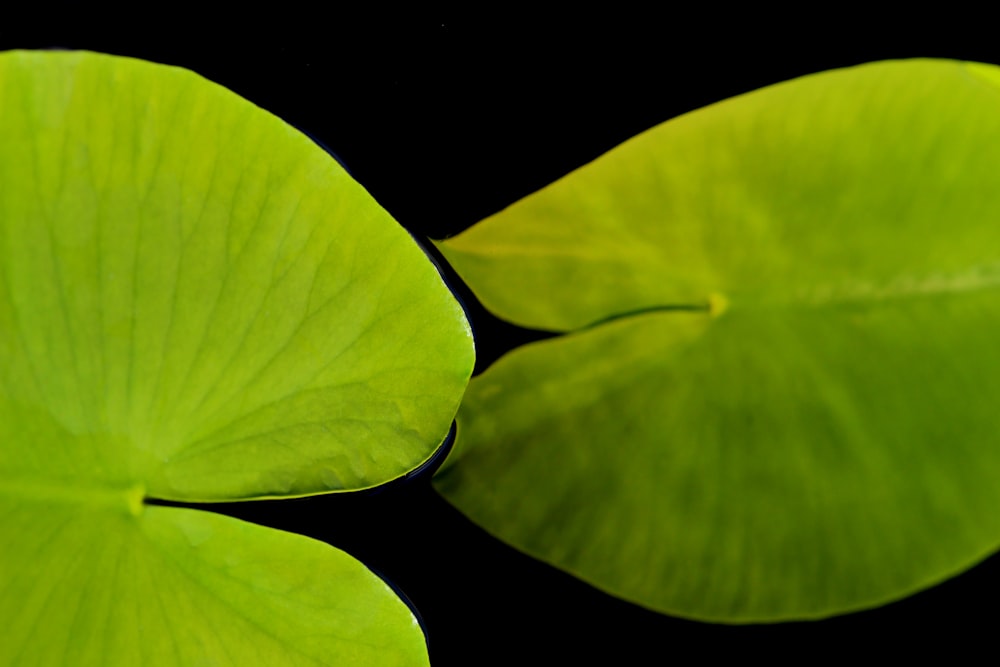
x=778 y=395
x=197 y=303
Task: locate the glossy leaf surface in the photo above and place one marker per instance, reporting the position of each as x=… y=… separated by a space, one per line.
x=197 y=303
x=777 y=399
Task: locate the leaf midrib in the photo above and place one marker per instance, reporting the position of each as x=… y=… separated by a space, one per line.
x=978 y=278
x=34 y=490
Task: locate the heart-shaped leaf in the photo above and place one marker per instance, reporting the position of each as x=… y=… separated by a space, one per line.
x=197 y=303
x=778 y=396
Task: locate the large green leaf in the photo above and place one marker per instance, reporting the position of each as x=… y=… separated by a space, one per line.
x=197 y=303
x=778 y=397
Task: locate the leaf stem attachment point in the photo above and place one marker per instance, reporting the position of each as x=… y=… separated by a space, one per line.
x=717 y=304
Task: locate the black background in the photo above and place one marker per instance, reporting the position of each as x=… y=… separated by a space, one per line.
x=446 y=121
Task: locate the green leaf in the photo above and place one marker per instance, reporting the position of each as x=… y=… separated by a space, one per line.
x=778 y=396
x=170 y=586
x=197 y=303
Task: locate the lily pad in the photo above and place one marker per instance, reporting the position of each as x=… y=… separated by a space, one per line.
x=197 y=304
x=775 y=398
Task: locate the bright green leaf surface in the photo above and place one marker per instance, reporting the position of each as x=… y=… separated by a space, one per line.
x=792 y=412
x=174 y=586
x=197 y=303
